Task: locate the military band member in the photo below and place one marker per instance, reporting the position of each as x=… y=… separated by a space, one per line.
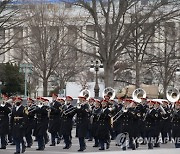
x=9 y=103
x=30 y=122
x=149 y=119
x=135 y=115
x=4 y=123
x=82 y=121
x=95 y=121
x=104 y=126
x=117 y=109
x=61 y=108
x=18 y=122
x=91 y=102
x=158 y=123
x=67 y=114
x=176 y=124
x=142 y=108
x=41 y=126
x=54 y=119
x=167 y=124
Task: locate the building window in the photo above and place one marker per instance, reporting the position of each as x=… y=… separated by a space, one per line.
x=144 y=2
x=68 y=5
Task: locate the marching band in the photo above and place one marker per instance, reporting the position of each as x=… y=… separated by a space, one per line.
x=99 y=120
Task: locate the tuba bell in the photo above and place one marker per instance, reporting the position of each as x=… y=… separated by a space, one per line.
x=172 y=94
x=138 y=94
x=109 y=92
x=85 y=93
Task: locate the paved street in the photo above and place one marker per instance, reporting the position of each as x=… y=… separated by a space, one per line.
x=58 y=149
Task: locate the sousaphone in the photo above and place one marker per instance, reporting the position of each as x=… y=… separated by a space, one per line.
x=109 y=92
x=138 y=94
x=172 y=94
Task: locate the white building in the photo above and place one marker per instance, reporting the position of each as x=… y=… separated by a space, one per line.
x=75 y=16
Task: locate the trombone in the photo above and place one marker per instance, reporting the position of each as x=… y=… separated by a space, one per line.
x=119 y=114
x=68 y=111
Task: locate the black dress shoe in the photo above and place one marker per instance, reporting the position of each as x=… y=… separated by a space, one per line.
x=53 y=144
x=69 y=146
x=80 y=150
x=58 y=141
x=16 y=152
x=157 y=145
x=150 y=146
x=2 y=147
x=95 y=145
x=40 y=149
x=107 y=146
x=65 y=147
x=23 y=149
x=101 y=149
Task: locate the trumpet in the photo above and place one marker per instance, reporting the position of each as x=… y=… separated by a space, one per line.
x=175 y=111
x=3 y=104
x=79 y=105
x=68 y=111
x=162 y=109
x=40 y=105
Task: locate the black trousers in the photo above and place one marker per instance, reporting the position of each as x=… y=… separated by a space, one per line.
x=67 y=140
x=3 y=141
x=41 y=142
x=18 y=141
x=82 y=143
x=29 y=139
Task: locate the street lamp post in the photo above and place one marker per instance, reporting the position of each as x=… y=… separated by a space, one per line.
x=26 y=68
x=95 y=68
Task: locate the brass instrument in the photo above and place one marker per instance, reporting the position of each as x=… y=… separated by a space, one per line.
x=33 y=108
x=3 y=104
x=84 y=93
x=172 y=94
x=40 y=104
x=68 y=111
x=146 y=114
x=175 y=111
x=138 y=94
x=119 y=114
x=79 y=105
x=109 y=92
x=99 y=114
x=160 y=106
x=162 y=109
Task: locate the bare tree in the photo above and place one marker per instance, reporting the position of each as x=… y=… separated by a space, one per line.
x=45 y=49
x=113 y=24
x=43 y=46
x=167 y=56
x=8 y=21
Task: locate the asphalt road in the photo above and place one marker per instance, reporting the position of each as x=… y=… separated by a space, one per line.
x=58 y=149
